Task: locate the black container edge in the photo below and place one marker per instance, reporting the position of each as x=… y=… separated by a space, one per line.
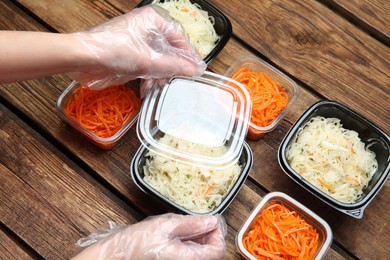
x=218 y=210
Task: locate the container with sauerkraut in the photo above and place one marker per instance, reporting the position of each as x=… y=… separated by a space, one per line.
x=338 y=155
x=208 y=28
x=193 y=152
x=186 y=188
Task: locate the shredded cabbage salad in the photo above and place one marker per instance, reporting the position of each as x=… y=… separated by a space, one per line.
x=332 y=158
x=196 y=23
x=197 y=189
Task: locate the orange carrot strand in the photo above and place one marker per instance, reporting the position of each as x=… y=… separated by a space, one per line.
x=103 y=112
x=269 y=97
x=279 y=233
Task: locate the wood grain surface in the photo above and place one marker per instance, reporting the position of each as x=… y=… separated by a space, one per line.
x=372 y=16
x=57 y=187
x=11 y=250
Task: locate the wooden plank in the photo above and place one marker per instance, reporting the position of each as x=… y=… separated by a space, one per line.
x=37 y=98
x=320 y=48
x=76 y=15
x=88 y=13
x=11 y=250
x=372 y=16
x=46 y=200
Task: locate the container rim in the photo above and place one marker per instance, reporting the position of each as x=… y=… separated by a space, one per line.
x=97 y=139
x=280 y=196
x=238 y=128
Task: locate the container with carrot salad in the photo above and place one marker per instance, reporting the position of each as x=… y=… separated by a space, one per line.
x=272 y=93
x=282 y=228
x=102 y=116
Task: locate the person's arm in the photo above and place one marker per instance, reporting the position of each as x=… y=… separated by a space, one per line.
x=28 y=55
x=145 y=43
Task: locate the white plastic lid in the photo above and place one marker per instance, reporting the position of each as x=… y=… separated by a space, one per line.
x=208 y=111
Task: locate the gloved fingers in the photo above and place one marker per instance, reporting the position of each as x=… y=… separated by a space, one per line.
x=191 y=250
x=171 y=51
x=147 y=84
x=183 y=227
x=99 y=81
x=215 y=237
x=106 y=230
x=144 y=43
x=168 y=66
x=189 y=227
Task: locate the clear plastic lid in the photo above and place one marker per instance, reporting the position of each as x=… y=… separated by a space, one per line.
x=197 y=120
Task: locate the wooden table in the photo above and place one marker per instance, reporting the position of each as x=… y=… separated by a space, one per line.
x=56 y=187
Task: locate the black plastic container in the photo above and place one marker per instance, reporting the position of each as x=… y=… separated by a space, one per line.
x=222 y=26
x=370 y=134
x=137 y=174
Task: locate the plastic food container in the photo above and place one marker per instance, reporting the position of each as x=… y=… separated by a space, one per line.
x=369 y=134
x=137 y=174
x=106 y=143
x=258 y=65
x=210 y=110
x=208 y=115
x=323 y=229
x=222 y=25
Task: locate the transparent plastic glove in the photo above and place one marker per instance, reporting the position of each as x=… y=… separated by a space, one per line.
x=144 y=43
x=167 y=236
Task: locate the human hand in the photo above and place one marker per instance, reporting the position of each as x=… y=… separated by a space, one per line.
x=144 y=43
x=168 y=236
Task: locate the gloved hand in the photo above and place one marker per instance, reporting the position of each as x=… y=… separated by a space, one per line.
x=144 y=43
x=168 y=236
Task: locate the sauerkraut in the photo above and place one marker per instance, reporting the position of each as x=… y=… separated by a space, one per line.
x=197 y=23
x=332 y=158
x=197 y=189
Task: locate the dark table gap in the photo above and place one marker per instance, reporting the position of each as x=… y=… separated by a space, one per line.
x=356 y=21
x=20 y=242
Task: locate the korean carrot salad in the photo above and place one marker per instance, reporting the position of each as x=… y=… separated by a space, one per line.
x=332 y=158
x=103 y=112
x=280 y=233
x=197 y=23
x=197 y=189
x=268 y=96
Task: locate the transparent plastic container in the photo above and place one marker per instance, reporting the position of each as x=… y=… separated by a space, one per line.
x=378 y=141
x=105 y=143
x=258 y=65
x=210 y=110
x=323 y=229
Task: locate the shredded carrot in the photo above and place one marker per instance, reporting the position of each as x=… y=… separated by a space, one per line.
x=268 y=96
x=279 y=233
x=327 y=186
x=103 y=112
x=209 y=189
